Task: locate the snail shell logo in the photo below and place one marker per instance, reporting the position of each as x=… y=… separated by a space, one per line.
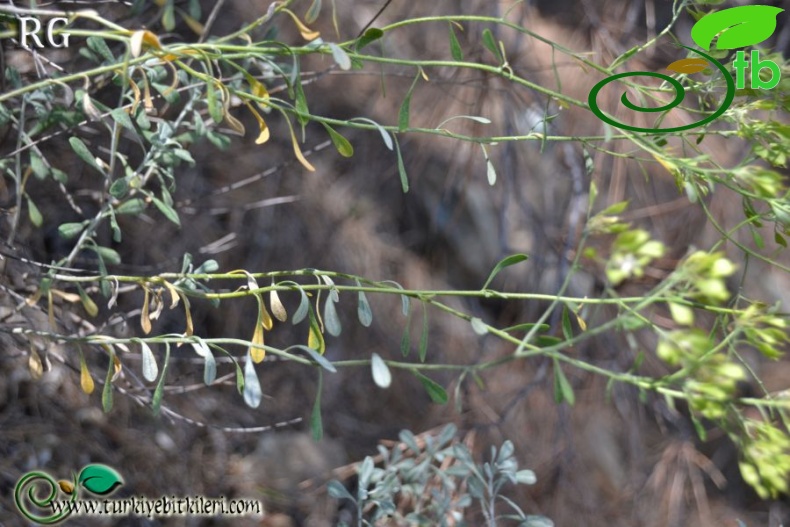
x=736 y=27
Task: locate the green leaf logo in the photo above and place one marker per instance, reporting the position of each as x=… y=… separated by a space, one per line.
x=739 y=27
x=100 y=479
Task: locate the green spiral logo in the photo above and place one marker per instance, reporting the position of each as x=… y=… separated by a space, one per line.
x=27 y=492
x=680 y=94
x=732 y=28
x=96 y=478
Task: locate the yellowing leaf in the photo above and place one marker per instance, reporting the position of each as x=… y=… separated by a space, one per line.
x=68 y=297
x=137 y=96
x=258 y=90
x=173 y=294
x=174 y=84
x=689 y=65
x=671 y=167
x=193 y=24
x=34 y=365
x=145 y=321
x=315 y=339
x=264 y=129
x=297 y=150
x=140 y=38
x=266 y=318
x=188 y=313
x=581 y=322
x=88 y=304
x=86 y=381
x=148 y=101
x=306 y=32
x=50 y=311
x=257 y=354
x=234 y=123
x=278 y=309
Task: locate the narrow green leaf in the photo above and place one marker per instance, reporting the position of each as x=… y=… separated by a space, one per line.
x=434 y=389
x=370 y=35
x=331 y=320
x=40 y=169
x=455 y=46
x=156 y=399
x=108 y=255
x=83 y=153
x=99 y=45
x=405 y=340
x=490 y=43
x=239 y=377
x=380 y=371
x=407 y=438
x=404 y=178
x=317 y=357
x=252 y=386
x=405 y=305
x=779 y=239
x=424 y=334
x=336 y=490
x=209 y=266
x=119 y=188
x=316 y=426
x=385 y=135
x=758 y=239
x=567 y=329
x=403 y=114
x=546 y=341
x=526 y=477
x=209 y=365
x=364 y=313
x=312 y=12
x=342 y=144
x=505 y=262
x=616 y=208
x=490 y=172
x=168 y=211
x=301 y=311
x=34 y=214
x=131 y=206
x=475 y=118
x=168 y=16
x=527 y=326
x=340 y=56
x=300 y=103
x=116 y=229
x=478 y=326
x=215 y=109
x=120 y=116
x=194 y=9
x=150 y=368
x=59 y=175
x=563 y=391
x=106 y=393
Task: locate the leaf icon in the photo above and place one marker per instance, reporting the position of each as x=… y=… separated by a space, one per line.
x=739 y=27
x=690 y=65
x=100 y=479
